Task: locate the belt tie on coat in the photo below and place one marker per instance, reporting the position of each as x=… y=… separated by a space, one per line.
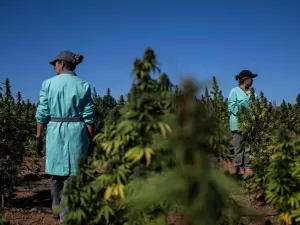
x=66 y=119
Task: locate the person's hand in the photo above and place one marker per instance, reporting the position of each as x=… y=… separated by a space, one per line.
x=91 y=147
x=39 y=146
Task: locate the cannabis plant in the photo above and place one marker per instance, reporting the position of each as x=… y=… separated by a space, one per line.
x=283 y=177
x=195 y=184
x=127 y=148
x=257 y=123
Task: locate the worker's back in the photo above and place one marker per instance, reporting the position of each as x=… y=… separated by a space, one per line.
x=65 y=97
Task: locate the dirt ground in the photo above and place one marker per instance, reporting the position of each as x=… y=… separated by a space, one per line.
x=32 y=203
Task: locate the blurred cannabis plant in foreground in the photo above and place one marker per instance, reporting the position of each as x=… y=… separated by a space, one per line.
x=196 y=183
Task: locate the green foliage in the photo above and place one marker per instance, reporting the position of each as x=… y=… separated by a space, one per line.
x=275 y=159
x=159 y=141
x=15 y=127
x=161 y=137
x=127 y=143
x=283 y=177
x=257 y=123
x=85 y=198
x=103 y=107
x=201 y=189
x=214 y=103
x=291 y=116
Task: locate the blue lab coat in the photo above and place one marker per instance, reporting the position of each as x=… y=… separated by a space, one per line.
x=65 y=95
x=237 y=98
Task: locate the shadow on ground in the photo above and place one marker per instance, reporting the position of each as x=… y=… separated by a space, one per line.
x=32 y=177
x=39 y=199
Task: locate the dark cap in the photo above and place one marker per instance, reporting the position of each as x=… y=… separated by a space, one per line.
x=65 y=56
x=245 y=74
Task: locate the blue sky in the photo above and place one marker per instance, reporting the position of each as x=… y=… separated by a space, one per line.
x=199 y=38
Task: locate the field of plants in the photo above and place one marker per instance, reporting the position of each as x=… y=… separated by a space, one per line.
x=162 y=155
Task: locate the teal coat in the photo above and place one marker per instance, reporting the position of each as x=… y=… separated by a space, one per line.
x=65 y=95
x=237 y=98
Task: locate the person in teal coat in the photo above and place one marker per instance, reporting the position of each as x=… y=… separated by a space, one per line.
x=66 y=110
x=239 y=97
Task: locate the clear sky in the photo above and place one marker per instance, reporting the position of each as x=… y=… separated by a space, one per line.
x=199 y=38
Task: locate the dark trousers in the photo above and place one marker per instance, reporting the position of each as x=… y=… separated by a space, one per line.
x=241 y=157
x=58 y=184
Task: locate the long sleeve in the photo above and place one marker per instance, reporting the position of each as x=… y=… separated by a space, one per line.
x=88 y=111
x=232 y=102
x=43 y=111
